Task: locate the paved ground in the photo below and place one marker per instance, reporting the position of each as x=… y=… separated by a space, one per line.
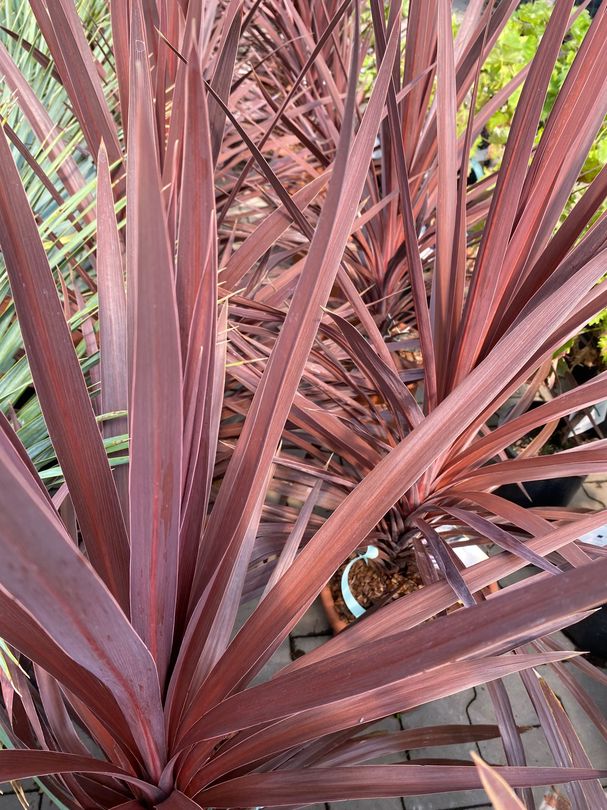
x=31 y=794
x=470 y=706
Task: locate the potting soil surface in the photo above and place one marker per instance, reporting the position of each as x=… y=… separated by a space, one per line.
x=370 y=584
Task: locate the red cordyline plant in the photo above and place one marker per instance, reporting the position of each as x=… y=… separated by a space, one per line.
x=367 y=410
x=363 y=392
x=377 y=259
x=119 y=591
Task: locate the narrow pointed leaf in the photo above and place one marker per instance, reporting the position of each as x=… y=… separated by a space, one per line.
x=155 y=406
x=59 y=383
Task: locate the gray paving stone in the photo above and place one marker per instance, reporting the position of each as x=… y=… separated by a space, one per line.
x=593 y=742
x=536 y=748
x=244 y=611
x=280 y=659
x=481 y=710
x=313 y=623
x=492 y=751
x=461 y=800
x=593 y=489
x=583 y=500
x=518 y=576
x=302 y=645
x=26 y=785
x=9 y=801
x=595 y=690
x=370 y=804
x=451 y=709
x=441 y=712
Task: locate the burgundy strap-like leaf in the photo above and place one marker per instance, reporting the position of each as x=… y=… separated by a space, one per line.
x=356 y=516
x=74 y=60
x=119 y=15
x=59 y=383
x=484 y=287
x=112 y=319
x=267 y=232
x=261 y=432
x=512 y=614
x=155 y=404
x=23 y=764
x=500 y=537
x=332 y=716
x=370 y=781
x=443 y=301
x=44 y=127
x=582 y=396
x=224 y=68
x=381 y=743
x=51 y=582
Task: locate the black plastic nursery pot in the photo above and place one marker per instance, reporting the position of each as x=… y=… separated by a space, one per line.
x=590 y=635
x=555 y=492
